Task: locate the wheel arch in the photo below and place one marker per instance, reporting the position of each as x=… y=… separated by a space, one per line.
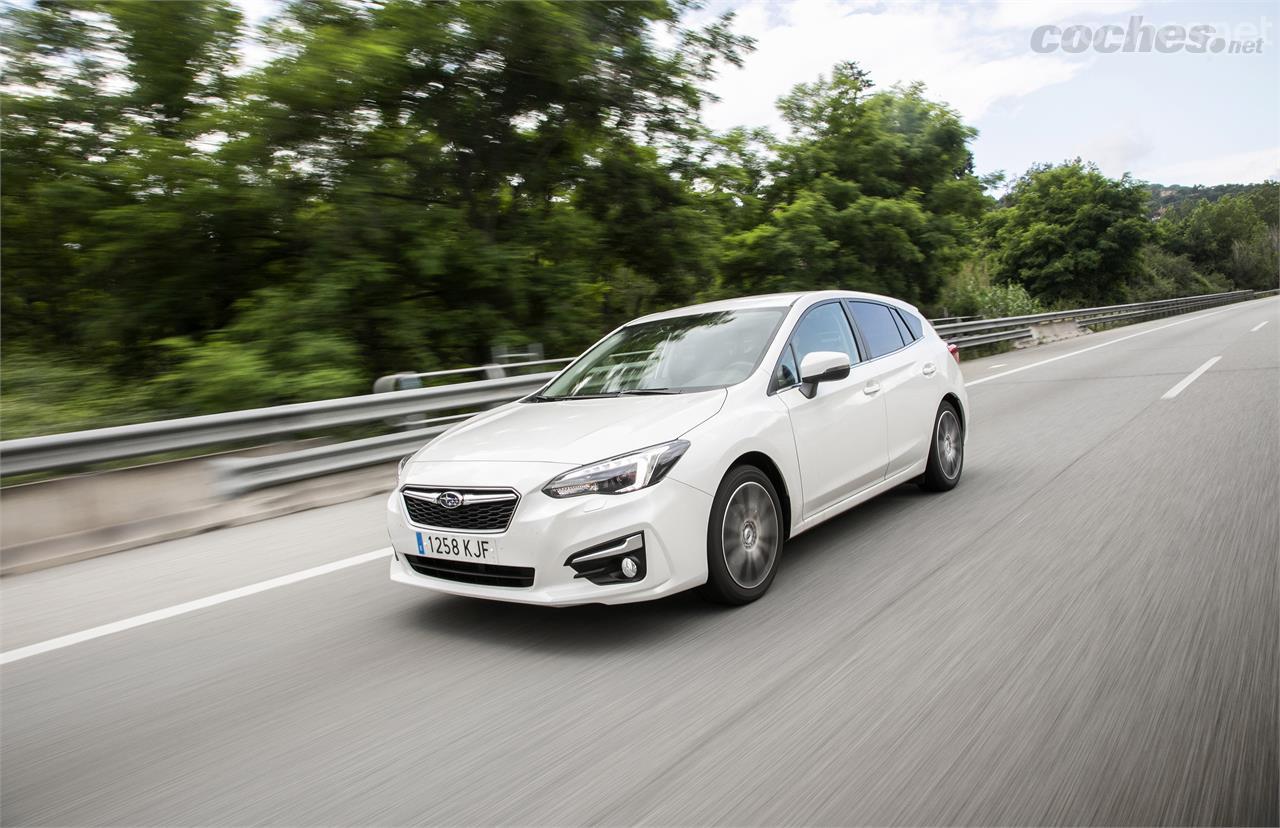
x=765 y=464
x=955 y=401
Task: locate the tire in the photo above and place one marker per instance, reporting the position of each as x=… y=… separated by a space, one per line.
x=946 y=451
x=745 y=536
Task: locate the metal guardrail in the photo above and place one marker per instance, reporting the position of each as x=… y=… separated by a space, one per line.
x=79 y=449
x=239 y=475
x=970 y=334
x=991 y=338
x=430 y=410
x=410 y=379
x=1086 y=315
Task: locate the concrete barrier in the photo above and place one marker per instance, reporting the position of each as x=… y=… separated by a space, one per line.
x=72 y=518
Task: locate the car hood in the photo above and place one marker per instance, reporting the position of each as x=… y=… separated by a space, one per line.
x=573 y=431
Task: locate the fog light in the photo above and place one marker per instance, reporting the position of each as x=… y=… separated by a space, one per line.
x=620 y=561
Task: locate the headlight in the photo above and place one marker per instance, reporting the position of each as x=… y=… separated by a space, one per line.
x=404 y=461
x=621 y=474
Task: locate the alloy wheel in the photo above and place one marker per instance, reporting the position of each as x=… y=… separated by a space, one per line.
x=750 y=535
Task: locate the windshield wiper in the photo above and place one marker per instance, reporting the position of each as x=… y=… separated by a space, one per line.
x=639 y=391
x=543 y=398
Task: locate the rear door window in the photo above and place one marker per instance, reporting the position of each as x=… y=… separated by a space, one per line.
x=878 y=327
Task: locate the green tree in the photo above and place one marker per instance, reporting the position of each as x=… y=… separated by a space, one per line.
x=404 y=185
x=458 y=151
x=875 y=192
x=1255 y=261
x=1069 y=234
x=1234 y=236
x=121 y=226
x=733 y=173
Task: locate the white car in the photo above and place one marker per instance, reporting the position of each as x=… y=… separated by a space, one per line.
x=683 y=450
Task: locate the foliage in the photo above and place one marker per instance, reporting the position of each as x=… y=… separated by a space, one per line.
x=1068 y=233
x=1166 y=275
x=1234 y=235
x=971 y=293
x=1174 y=197
x=46 y=393
x=1255 y=260
x=402 y=187
x=875 y=192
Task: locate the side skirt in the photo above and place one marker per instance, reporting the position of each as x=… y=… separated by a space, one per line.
x=866 y=494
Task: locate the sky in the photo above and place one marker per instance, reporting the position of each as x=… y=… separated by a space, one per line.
x=1172 y=118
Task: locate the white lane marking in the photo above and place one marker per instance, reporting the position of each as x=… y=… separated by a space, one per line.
x=1188 y=379
x=190 y=606
x=1099 y=345
x=998 y=365
x=1258 y=326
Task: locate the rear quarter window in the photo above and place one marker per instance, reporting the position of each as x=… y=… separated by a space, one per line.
x=907 y=335
x=913 y=323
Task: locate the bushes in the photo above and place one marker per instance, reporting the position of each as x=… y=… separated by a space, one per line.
x=1255 y=261
x=972 y=294
x=283 y=347
x=1165 y=275
x=43 y=394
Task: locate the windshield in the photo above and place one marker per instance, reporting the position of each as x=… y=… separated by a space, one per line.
x=683 y=353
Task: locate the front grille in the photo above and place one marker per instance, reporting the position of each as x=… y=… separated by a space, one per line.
x=472 y=573
x=487 y=515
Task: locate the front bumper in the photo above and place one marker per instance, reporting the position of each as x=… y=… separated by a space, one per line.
x=544 y=532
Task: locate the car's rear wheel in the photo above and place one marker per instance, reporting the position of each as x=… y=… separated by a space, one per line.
x=946 y=451
x=745 y=536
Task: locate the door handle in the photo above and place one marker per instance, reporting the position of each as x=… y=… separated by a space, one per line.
x=929 y=368
x=870 y=388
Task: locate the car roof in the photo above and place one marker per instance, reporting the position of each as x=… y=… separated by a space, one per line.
x=772 y=300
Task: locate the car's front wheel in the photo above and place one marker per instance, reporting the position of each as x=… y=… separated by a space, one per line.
x=946 y=451
x=744 y=537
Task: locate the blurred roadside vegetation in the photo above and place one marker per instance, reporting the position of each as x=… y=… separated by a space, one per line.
x=403 y=185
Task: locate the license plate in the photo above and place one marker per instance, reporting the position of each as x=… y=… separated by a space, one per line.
x=457 y=547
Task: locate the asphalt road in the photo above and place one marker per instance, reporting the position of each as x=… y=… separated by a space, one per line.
x=1085 y=632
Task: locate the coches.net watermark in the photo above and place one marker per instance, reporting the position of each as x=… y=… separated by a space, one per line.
x=1202 y=38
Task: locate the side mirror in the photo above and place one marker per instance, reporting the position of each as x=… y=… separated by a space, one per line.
x=821 y=366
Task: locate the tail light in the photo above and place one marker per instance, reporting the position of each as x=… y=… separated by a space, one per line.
x=954 y=351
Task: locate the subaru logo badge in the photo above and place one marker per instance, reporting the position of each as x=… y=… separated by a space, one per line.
x=450 y=500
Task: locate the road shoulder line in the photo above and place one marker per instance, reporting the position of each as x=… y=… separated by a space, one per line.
x=971 y=383
x=188 y=606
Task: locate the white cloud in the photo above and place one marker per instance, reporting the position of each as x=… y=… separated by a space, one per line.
x=951 y=48
x=1234 y=168
x=1032 y=13
x=1118 y=151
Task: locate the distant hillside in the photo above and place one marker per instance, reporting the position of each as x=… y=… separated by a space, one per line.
x=1165 y=197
